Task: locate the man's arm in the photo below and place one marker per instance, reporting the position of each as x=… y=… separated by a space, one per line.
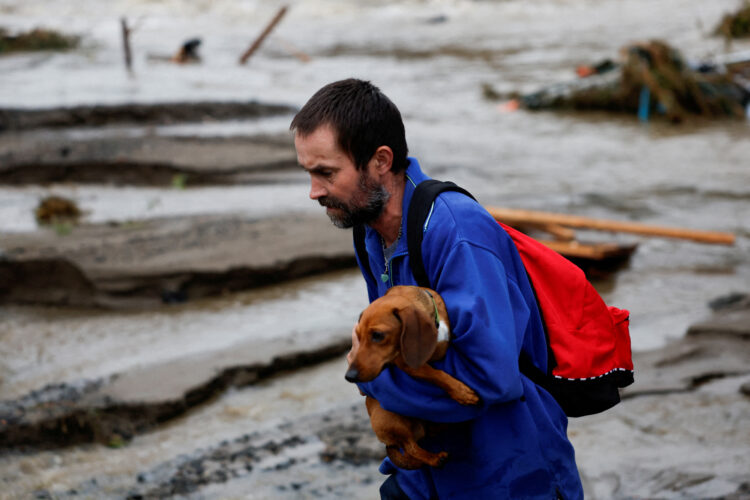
x=488 y=317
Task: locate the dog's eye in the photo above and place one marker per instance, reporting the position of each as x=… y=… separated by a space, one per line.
x=377 y=337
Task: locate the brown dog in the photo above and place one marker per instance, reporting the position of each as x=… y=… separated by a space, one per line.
x=408 y=327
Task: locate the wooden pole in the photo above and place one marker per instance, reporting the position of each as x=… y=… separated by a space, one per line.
x=126 y=44
x=512 y=216
x=258 y=41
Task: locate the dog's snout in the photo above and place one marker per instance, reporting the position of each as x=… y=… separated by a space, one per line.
x=352 y=375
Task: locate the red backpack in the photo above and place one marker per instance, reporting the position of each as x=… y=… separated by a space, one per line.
x=588 y=342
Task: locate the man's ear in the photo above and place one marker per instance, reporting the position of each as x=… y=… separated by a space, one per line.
x=382 y=160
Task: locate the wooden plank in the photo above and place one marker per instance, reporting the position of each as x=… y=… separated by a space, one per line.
x=513 y=217
x=560 y=233
x=593 y=251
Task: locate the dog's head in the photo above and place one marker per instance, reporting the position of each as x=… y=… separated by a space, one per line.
x=392 y=325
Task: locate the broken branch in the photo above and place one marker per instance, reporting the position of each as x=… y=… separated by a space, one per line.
x=258 y=41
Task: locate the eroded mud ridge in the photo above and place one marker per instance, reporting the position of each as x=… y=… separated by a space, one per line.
x=68 y=414
x=288 y=456
x=166 y=260
x=158 y=113
x=148 y=160
x=671 y=411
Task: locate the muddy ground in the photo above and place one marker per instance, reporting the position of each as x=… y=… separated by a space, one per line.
x=244 y=408
x=690 y=404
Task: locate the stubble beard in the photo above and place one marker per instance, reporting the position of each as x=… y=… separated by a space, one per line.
x=365 y=207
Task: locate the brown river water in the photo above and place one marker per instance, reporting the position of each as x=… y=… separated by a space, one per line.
x=431 y=58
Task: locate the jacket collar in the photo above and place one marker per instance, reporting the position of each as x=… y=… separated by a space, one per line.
x=414 y=176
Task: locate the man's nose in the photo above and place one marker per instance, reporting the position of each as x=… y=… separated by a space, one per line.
x=316 y=190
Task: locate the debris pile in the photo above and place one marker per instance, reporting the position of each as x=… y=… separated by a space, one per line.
x=650 y=77
x=57 y=210
x=736 y=25
x=677 y=89
x=36 y=39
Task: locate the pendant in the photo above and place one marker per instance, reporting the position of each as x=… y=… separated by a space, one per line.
x=384 y=278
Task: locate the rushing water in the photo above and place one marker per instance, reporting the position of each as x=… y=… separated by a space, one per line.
x=431 y=58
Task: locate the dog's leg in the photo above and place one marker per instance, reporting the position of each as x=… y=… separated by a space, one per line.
x=432 y=459
x=456 y=389
x=403 y=460
x=399 y=432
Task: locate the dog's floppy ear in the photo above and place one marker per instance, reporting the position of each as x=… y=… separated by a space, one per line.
x=418 y=335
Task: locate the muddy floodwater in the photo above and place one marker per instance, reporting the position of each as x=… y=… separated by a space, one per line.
x=432 y=59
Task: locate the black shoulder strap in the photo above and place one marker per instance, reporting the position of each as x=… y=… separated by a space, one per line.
x=419 y=208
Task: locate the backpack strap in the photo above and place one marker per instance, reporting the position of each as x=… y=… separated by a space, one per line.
x=419 y=208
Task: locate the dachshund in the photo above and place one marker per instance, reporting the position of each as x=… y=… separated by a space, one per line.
x=407 y=327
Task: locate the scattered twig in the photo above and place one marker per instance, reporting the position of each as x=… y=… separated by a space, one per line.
x=126 y=45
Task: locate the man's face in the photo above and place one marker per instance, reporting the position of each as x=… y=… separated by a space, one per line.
x=350 y=196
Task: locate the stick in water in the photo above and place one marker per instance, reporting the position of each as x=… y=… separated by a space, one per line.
x=249 y=52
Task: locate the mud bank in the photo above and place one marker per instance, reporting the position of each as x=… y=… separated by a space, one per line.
x=152 y=262
x=134 y=113
x=111 y=411
x=682 y=431
x=320 y=455
x=34 y=158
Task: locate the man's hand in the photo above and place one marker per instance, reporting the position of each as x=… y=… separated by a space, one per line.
x=355 y=346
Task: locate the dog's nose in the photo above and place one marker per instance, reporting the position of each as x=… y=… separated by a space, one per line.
x=352 y=375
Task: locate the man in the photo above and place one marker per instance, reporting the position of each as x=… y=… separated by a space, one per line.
x=350 y=139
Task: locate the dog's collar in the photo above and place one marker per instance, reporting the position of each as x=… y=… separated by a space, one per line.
x=434 y=304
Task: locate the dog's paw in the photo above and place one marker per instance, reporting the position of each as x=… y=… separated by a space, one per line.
x=464 y=394
x=442 y=458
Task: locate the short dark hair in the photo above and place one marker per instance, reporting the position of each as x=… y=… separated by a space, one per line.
x=362 y=117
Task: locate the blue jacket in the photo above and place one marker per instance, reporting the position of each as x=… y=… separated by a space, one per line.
x=514 y=443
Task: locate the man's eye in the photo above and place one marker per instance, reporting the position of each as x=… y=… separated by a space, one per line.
x=377 y=337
